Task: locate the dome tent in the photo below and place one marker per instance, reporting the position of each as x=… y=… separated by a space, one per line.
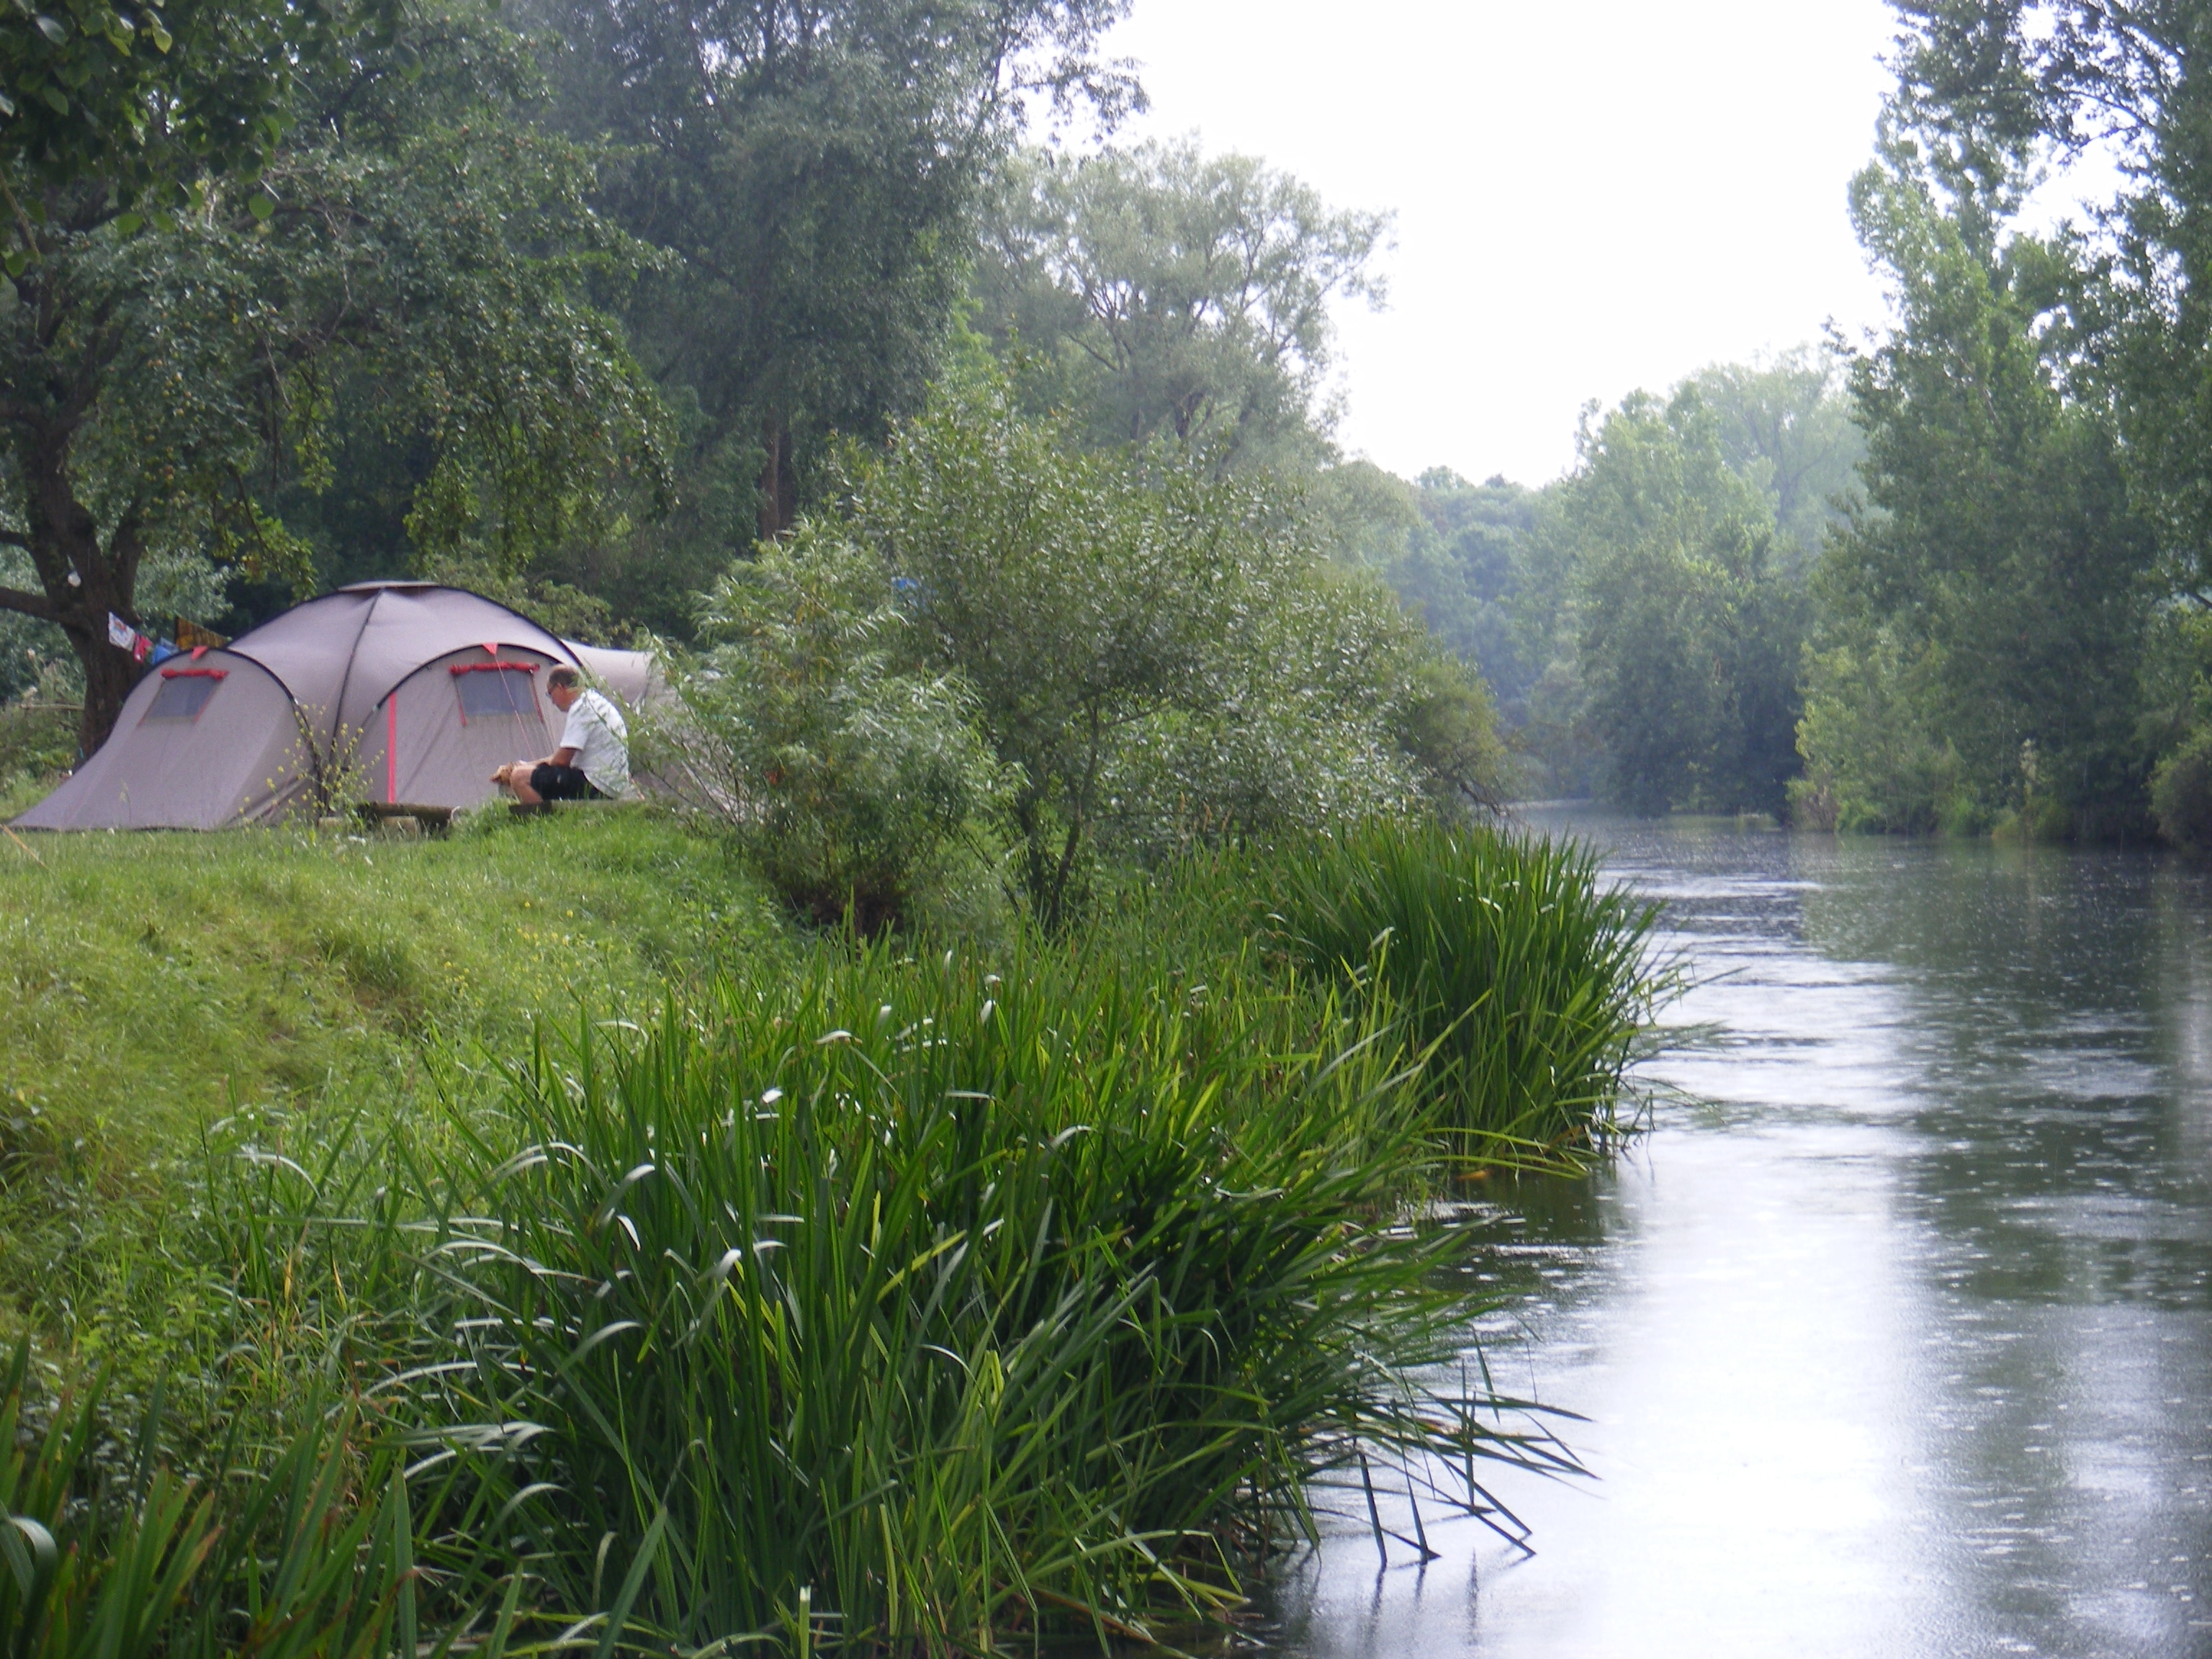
x=401 y=691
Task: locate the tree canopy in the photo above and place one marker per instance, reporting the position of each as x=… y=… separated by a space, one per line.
x=813 y=173
x=2003 y=638
x=1166 y=291
x=160 y=379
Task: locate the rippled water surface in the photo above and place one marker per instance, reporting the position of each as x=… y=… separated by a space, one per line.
x=1895 y=1335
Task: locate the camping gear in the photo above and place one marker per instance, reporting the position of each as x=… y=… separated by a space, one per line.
x=190 y=634
x=387 y=692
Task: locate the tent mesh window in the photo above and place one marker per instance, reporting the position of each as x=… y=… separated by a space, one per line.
x=184 y=693
x=492 y=689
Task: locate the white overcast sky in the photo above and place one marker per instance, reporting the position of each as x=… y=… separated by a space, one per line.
x=1591 y=195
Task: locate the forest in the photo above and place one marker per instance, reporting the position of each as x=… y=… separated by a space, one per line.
x=576 y=304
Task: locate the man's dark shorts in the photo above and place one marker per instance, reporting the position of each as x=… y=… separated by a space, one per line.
x=553 y=782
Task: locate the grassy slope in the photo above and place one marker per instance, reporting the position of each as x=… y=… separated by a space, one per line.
x=149 y=982
x=147 y=973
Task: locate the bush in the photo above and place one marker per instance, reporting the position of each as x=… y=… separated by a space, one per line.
x=37 y=739
x=1872 y=758
x=1527 y=982
x=2181 y=792
x=1159 y=650
x=843 y=776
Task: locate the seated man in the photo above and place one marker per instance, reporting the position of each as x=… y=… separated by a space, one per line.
x=591 y=763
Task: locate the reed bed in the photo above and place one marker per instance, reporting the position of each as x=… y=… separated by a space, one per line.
x=912 y=1307
x=316 y=1550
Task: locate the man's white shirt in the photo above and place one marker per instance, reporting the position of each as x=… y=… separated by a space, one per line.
x=596 y=731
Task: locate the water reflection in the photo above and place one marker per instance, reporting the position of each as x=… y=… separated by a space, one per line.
x=1894 y=1335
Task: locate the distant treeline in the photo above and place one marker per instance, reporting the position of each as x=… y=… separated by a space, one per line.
x=1960 y=581
x=1641 y=621
x=577 y=302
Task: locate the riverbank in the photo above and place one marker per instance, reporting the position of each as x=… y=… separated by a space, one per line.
x=346 y=1142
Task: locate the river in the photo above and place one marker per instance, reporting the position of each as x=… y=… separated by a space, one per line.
x=1892 y=1334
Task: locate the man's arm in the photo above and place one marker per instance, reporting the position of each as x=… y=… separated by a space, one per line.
x=564 y=756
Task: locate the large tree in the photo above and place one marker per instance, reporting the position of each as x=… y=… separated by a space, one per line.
x=148 y=99
x=1165 y=291
x=811 y=169
x=1687 y=635
x=1992 y=92
x=162 y=371
x=1985 y=624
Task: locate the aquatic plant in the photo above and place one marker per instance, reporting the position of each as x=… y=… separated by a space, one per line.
x=312 y=1549
x=1526 y=981
x=913 y=1306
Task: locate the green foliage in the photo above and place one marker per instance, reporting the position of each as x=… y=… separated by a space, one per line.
x=1641 y=619
x=1783 y=428
x=813 y=173
x=1687 y=636
x=37 y=737
x=1990 y=93
x=2181 y=792
x=913 y=1305
x=1329 y=707
x=1872 y=760
x=1527 y=984
x=160 y=385
x=842 y=777
x=1985 y=628
x=1465 y=576
x=1155 y=649
x=311 y=1552
x=147 y=102
x=1168 y=293
x=1447 y=725
x=1371 y=520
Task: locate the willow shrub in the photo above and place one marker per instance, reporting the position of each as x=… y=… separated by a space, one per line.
x=1524 y=980
x=913 y=1306
x=845 y=776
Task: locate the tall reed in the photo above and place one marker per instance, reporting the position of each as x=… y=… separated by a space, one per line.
x=911 y=1307
x=314 y=1550
x=1526 y=981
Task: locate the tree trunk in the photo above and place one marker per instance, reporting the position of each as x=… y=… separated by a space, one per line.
x=779 y=503
x=65 y=540
x=109 y=674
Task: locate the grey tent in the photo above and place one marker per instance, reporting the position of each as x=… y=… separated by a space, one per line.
x=400 y=692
